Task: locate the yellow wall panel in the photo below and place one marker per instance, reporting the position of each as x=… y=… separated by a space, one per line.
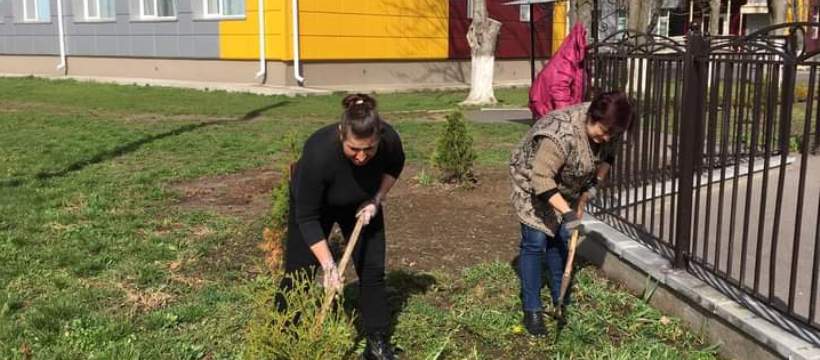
x=559 y=24
x=239 y=39
x=374 y=29
x=342 y=30
x=348 y=48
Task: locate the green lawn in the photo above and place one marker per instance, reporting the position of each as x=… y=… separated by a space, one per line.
x=98 y=263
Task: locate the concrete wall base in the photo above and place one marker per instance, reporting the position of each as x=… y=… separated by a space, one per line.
x=375 y=74
x=30 y=65
x=436 y=72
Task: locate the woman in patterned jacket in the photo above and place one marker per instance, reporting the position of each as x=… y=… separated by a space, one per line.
x=563 y=156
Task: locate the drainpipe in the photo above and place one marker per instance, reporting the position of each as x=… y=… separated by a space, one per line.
x=296 y=63
x=263 y=67
x=61 y=34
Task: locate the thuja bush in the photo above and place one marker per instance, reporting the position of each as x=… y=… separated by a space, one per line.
x=275 y=233
x=291 y=333
x=454 y=156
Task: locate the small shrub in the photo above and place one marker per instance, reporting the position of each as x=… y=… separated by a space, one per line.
x=280 y=203
x=454 y=155
x=281 y=193
x=291 y=334
x=274 y=235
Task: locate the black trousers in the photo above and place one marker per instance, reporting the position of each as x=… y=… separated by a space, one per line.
x=368 y=259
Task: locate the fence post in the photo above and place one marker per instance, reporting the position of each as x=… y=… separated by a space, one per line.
x=692 y=113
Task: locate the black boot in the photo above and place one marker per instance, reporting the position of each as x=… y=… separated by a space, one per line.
x=560 y=316
x=378 y=348
x=534 y=323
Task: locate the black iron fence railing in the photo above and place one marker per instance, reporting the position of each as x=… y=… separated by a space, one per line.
x=721 y=170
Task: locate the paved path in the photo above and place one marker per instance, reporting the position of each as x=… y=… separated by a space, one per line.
x=266 y=89
x=732 y=230
x=501 y=115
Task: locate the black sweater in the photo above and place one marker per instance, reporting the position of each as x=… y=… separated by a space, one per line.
x=327 y=185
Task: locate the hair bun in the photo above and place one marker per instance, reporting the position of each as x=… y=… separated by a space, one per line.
x=359 y=103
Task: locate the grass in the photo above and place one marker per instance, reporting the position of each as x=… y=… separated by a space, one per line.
x=98 y=262
x=476 y=315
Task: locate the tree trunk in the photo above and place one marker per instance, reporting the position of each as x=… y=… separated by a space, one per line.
x=777 y=13
x=640 y=14
x=583 y=13
x=482 y=37
x=714 y=17
x=633 y=21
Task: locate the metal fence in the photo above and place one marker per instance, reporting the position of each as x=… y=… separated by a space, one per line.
x=721 y=170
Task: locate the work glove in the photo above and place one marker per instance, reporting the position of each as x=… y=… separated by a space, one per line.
x=331 y=278
x=569 y=224
x=368 y=211
x=590 y=188
x=592 y=193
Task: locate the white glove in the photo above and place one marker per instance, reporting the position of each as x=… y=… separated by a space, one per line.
x=332 y=280
x=592 y=193
x=368 y=211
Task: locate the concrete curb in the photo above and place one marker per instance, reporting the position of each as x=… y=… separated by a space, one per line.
x=743 y=326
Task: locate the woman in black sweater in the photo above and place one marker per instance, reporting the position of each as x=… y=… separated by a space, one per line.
x=345 y=172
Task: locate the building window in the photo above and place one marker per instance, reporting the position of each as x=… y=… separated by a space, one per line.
x=157 y=9
x=36 y=10
x=524 y=13
x=99 y=9
x=621 y=20
x=224 y=8
x=663 y=25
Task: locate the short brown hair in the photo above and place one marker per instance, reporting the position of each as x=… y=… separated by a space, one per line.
x=613 y=110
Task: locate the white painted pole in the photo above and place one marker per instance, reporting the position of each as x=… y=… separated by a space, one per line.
x=263 y=66
x=727 y=28
x=691 y=11
x=61 y=35
x=296 y=61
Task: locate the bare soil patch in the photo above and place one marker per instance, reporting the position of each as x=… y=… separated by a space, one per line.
x=244 y=195
x=430 y=227
x=448 y=229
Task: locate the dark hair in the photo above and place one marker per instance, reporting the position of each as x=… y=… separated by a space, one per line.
x=360 y=117
x=613 y=110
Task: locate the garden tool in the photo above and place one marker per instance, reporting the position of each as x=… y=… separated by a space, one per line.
x=559 y=311
x=330 y=294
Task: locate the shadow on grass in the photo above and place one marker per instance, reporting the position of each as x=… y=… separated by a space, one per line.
x=128 y=148
x=401 y=286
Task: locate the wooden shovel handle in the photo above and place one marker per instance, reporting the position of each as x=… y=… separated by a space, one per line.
x=568 y=267
x=329 y=293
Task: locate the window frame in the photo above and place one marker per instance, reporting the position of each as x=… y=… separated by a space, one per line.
x=156 y=16
x=36 y=18
x=663 y=25
x=99 y=17
x=220 y=11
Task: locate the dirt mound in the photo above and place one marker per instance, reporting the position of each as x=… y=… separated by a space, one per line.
x=245 y=194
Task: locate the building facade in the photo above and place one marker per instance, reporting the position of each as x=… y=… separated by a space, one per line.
x=339 y=42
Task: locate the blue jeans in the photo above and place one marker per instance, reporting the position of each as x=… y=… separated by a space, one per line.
x=537 y=250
